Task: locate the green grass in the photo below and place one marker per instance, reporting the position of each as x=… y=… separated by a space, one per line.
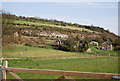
x=46 y=53
x=33 y=76
x=103 y=64
x=40 y=53
x=100 y=65
x=104 y=52
x=41 y=77
x=57 y=60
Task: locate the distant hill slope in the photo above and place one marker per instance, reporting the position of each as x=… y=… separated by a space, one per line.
x=38 y=23
x=59 y=27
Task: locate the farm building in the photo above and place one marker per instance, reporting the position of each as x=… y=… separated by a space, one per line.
x=107 y=46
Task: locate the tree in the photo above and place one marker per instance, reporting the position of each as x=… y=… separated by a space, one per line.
x=74 y=44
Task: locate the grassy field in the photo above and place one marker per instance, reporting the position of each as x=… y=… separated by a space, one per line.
x=45 y=53
x=44 y=58
x=100 y=65
x=80 y=64
x=41 y=53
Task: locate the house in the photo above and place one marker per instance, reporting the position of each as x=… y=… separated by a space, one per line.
x=94 y=43
x=107 y=45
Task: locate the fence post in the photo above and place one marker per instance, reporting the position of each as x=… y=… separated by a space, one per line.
x=5 y=65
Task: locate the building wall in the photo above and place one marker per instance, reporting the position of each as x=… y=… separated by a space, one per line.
x=106 y=46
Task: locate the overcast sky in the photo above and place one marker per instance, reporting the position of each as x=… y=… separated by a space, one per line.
x=103 y=14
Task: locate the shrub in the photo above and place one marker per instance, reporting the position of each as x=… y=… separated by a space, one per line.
x=116 y=48
x=64 y=48
x=28 y=45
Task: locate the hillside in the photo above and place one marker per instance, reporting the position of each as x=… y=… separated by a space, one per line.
x=51 y=29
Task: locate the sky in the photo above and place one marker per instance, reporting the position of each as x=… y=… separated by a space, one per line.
x=103 y=14
x=60 y=0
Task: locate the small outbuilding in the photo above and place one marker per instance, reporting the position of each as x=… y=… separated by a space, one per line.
x=107 y=45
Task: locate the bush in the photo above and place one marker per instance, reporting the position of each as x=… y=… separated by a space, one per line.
x=116 y=48
x=64 y=48
x=28 y=44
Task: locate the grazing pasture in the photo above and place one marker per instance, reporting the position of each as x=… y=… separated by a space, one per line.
x=99 y=65
x=43 y=58
x=41 y=53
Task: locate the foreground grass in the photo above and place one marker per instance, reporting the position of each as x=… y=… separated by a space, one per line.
x=57 y=60
x=100 y=65
x=103 y=64
x=46 y=77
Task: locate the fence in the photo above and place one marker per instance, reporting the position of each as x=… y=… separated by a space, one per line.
x=63 y=74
